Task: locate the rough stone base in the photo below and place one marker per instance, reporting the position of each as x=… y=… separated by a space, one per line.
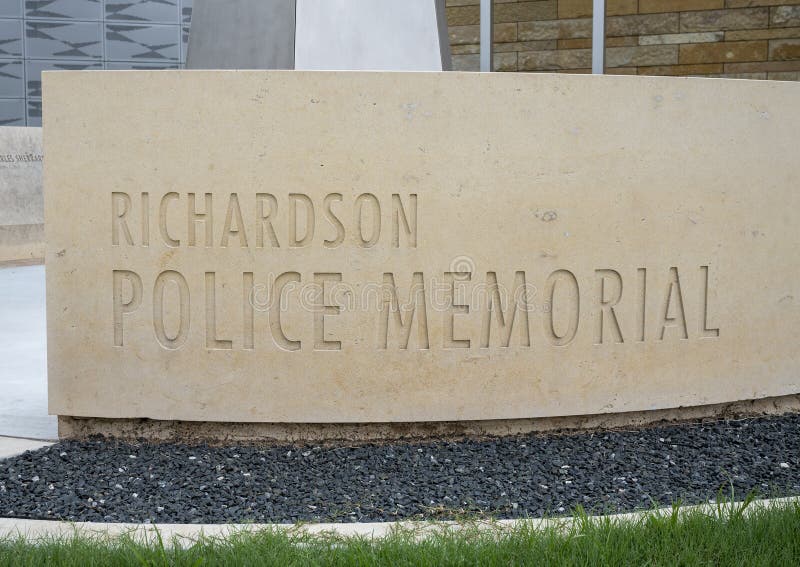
x=216 y=432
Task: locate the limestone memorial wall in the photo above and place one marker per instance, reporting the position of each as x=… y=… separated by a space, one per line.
x=21 y=195
x=363 y=247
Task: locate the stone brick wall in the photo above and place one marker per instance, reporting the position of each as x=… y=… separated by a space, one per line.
x=753 y=39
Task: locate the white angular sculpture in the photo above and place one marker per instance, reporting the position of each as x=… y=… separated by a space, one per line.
x=378 y=35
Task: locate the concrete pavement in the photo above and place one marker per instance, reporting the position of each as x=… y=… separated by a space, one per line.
x=23 y=355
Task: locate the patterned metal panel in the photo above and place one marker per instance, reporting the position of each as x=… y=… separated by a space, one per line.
x=34 y=112
x=12 y=112
x=161 y=11
x=91 y=10
x=63 y=39
x=12 y=82
x=10 y=38
x=126 y=42
x=45 y=35
x=184 y=42
x=10 y=8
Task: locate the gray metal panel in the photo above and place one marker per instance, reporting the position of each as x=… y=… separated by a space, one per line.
x=12 y=112
x=65 y=9
x=242 y=34
x=52 y=39
x=12 y=84
x=11 y=8
x=186 y=12
x=184 y=42
x=487 y=36
x=389 y=35
x=36 y=35
x=143 y=11
x=598 y=37
x=10 y=38
x=142 y=42
x=34 y=112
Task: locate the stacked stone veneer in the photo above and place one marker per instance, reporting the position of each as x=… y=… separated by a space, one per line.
x=753 y=39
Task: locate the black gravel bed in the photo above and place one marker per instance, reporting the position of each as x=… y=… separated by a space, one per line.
x=506 y=477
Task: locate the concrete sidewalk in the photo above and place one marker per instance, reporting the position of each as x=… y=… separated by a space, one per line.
x=23 y=355
x=13 y=446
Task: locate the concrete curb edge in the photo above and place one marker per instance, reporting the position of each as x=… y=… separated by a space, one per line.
x=186 y=534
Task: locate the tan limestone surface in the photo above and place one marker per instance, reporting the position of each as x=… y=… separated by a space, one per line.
x=557 y=245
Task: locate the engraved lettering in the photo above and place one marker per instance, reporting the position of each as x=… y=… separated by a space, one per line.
x=295 y=240
x=673 y=297
x=234 y=223
x=120 y=207
x=403 y=315
x=159 y=291
x=609 y=295
x=454 y=309
x=642 y=273
x=321 y=309
x=145 y=219
x=248 y=333
x=407 y=218
x=572 y=297
x=374 y=223
x=267 y=206
x=278 y=334
x=706 y=331
x=162 y=219
x=212 y=342
x=206 y=217
x=124 y=306
x=506 y=317
x=255 y=221
x=335 y=222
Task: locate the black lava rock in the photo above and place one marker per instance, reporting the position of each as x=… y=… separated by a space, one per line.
x=506 y=477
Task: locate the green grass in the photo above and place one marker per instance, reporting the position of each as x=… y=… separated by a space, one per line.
x=726 y=536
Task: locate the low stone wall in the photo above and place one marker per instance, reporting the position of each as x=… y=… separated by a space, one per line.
x=360 y=247
x=21 y=198
x=749 y=39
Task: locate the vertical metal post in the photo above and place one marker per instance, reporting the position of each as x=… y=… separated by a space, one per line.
x=487 y=35
x=598 y=36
